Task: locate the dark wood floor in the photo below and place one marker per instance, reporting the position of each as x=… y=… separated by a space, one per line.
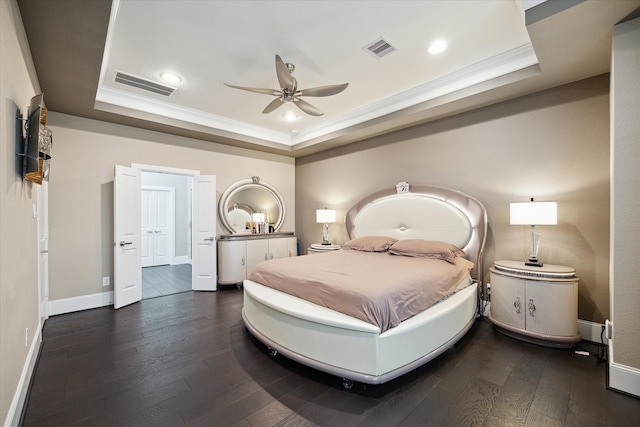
x=186 y=359
x=165 y=280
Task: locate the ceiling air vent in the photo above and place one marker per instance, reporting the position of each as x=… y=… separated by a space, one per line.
x=140 y=83
x=380 y=48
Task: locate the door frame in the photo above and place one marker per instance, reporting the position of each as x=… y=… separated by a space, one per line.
x=43 y=251
x=172 y=171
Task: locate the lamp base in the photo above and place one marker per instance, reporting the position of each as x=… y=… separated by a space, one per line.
x=533 y=262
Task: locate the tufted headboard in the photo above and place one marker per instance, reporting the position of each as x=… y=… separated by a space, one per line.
x=409 y=211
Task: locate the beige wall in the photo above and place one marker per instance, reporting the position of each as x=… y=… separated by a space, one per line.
x=552 y=145
x=18 y=227
x=625 y=192
x=81 y=190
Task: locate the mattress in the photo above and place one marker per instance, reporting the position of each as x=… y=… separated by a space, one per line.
x=378 y=288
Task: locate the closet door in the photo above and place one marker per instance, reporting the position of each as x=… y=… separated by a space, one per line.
x=156 y=233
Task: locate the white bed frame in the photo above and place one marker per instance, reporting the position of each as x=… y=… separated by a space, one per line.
x=356 y=350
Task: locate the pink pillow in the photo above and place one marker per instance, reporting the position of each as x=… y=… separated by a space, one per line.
x=370 y=243
x=426 y=248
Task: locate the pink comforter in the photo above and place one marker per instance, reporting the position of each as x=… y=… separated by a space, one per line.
x=379 y=288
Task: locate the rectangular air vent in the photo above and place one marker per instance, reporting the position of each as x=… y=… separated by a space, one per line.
x=144 y=84
x=380 y=48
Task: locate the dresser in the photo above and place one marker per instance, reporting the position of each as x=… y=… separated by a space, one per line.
x=238 y=254
x=535 y=304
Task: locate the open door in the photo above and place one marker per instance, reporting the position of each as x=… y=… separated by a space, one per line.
x=43 y=249
x=127 y=281
x=204 y=234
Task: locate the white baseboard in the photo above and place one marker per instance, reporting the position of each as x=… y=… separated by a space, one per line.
x=85 y=302
x=487 y=308
x=20 y=395
x=590 y=331
x=624 y=378
x=181 y=260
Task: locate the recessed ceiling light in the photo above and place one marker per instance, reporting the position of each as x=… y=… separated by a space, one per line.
x=290 y=115
x=437 y=46
x=170 y=77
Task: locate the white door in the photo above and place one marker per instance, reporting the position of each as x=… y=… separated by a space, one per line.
x=156 y=233
x=204 y=233
x=127 y=286
x=43 y=249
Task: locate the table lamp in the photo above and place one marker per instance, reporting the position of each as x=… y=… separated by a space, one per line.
x=534 y=213
x=325 y=216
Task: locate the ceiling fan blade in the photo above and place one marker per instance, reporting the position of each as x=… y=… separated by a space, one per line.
x=257 y=90
x=273 y=105
x=307 y=108
x=323 y=90
x=285 y=78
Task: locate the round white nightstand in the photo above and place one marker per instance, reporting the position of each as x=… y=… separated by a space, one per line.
x=317 y=248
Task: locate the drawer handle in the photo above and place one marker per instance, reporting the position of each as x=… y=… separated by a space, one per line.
x=532 y=307
x=243 y=260
x=516 y=304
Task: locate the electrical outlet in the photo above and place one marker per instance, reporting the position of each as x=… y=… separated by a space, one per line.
x=106 y=281
x=26 y=337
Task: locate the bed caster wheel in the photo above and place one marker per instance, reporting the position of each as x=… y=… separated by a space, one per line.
x=272 y=352
x=347 y=384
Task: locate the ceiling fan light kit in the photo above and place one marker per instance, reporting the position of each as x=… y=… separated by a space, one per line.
x=289 y=91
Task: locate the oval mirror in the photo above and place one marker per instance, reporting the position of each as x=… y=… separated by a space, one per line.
x=244 y=198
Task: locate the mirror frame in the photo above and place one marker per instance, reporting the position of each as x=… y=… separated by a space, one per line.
x=253 y=182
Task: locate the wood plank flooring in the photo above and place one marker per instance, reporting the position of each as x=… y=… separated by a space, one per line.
x=186 y=359
x=165 y=280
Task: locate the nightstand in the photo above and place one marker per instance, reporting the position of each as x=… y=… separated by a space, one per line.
x=317 y=248
x=535 y=304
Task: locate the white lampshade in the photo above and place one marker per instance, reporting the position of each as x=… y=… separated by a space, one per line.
x=325 y=216
x=534 y=213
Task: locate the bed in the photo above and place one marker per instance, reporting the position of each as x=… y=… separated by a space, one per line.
x=360 y=350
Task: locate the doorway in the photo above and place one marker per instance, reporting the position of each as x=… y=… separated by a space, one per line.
x=165 y=234
x=200 y=220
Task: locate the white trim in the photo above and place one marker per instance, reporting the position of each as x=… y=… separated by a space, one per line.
x=84 y=302
x=183 y=259
x=511 y=61
x=590 y=331
x=19 y=397
x=165 y=169
x=624 y=378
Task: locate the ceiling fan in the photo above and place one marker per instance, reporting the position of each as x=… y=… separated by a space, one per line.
x=289 y=91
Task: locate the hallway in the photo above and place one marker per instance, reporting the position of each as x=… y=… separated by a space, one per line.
x=165 y=280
